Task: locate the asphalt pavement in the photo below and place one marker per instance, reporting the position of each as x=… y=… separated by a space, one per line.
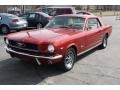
x=94 y=67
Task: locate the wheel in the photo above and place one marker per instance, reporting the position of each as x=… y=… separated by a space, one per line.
x=68 y=60
x=104 y=42
x=4 y=29
x=39 y=26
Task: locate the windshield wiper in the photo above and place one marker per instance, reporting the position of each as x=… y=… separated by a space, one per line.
x=66 y=26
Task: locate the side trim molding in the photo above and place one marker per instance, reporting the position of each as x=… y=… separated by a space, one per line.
x=89 y=49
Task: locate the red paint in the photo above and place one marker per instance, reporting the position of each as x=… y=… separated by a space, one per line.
x=61 y=38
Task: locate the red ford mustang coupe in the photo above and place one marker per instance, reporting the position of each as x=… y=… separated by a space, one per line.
x=61 y=41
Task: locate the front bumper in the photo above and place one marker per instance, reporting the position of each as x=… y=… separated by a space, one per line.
x=25 y=54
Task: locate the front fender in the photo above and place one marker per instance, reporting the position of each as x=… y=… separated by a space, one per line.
x=63 y=48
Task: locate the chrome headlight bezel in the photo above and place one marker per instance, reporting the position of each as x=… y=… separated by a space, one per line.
x=51 y=48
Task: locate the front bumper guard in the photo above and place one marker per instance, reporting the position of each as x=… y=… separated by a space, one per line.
x=44 y=57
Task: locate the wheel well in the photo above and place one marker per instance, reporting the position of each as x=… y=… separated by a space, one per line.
x=74 y=47
x=4 y=25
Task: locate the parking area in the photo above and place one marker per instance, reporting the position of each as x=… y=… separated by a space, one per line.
x=94 y=67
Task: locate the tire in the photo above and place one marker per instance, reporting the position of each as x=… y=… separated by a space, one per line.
x=4 y=29
x=104 y=42
x=68 y=60
x=39 y=25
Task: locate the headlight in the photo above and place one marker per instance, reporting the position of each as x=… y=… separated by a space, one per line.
x=51 y=48
x=7 y=41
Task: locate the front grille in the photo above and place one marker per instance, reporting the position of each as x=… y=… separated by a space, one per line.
x=24 y=46
x=24 y=51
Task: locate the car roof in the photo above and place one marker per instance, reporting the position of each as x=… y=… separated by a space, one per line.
x=77 y=15
x=39 y=12
x=7 y=14
x=60 y=7
x=84 y=12
x=42 y=13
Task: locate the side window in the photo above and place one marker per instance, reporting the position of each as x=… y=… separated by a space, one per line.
x=93 y=23
x=38 y=16
x=78 y=23
x=68 y=11
x=32 y=16
x=59 y=11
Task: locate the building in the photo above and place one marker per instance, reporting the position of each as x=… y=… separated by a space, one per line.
x=29 y=8
x=3 y=8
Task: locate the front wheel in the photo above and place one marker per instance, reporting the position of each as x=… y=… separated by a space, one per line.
x=68 y=60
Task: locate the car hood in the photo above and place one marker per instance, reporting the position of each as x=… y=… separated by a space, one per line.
x=38 y=36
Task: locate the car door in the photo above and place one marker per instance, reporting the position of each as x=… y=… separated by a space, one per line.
x=43 y=20
x=32 y=19
x=80 y=34
x=93 y=32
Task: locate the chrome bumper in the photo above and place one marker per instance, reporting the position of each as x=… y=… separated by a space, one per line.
x=44 y=57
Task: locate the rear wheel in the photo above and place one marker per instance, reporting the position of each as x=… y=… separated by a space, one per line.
x=104 y=42
x=39 y=26
x=4 y=29
x=68 y=60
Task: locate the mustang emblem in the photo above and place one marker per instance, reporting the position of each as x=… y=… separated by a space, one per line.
x=20 y=44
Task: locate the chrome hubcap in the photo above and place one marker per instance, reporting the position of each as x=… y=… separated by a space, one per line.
x=105 y=42
x=39 y=26
x=4 y=29
x=69 y=59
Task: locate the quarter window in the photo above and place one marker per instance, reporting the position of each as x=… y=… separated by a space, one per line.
x=93 y=23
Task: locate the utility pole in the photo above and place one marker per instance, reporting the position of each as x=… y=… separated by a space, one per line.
x=23 y=9
x=88 y=7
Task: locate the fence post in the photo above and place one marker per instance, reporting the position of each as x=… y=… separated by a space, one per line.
x=118 y=16
x=101 y=14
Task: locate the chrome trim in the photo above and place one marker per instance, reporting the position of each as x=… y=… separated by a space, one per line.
x=24 y=48
x=88 y=49
x=45 y=57
x=38 y=62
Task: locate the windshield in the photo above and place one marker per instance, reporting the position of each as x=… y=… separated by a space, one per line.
x=67 y=22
